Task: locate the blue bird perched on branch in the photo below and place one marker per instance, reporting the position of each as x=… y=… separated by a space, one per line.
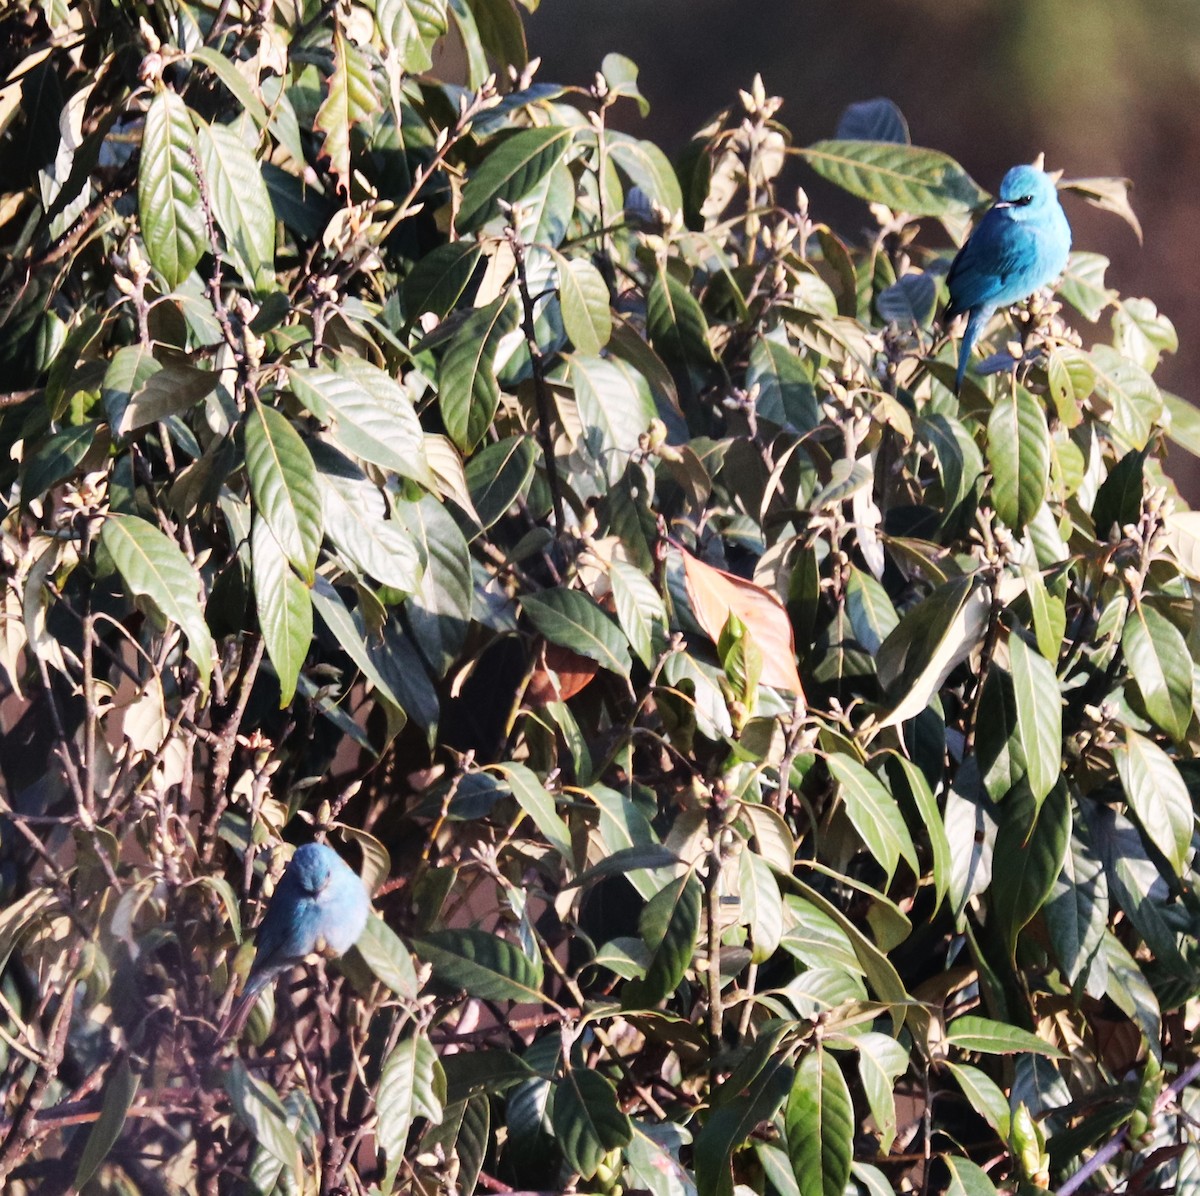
x=320 y=906
x=1022 y=243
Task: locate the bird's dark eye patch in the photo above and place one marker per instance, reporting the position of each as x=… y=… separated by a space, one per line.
x=1023 y=200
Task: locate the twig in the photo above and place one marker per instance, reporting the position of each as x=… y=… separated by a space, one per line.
x=545 y=428
x=1112 y=1147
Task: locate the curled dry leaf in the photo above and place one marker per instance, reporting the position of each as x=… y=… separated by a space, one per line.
x=714 y=594
x=558 y=675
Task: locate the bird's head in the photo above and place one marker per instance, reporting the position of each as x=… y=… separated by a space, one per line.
x=1026 y=190
x=312 y=866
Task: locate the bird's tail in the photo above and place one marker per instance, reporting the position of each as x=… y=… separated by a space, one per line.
x=235 y=1020
x=975 y=325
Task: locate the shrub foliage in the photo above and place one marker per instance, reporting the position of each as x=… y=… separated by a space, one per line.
x=771 y=768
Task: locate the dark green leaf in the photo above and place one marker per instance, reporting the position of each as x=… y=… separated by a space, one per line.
x=119 y=1090
x=584 y=298
x=468 y=392
x=1019 y=454
x=906 y=178
x=1158 y=658
x=482 y=964
x=668 y=926
x=1039 y=716
x=284 y=610
x=987 y=1037
x=874 y=813
x=1030 y=846
x=819 y=1124
x=512 y=171
x=283 y=483
x=1157 y=795
x=572 y=619
x=168 y=192
x=411 y=1085
x=154 y=569
x=587 y=1120
x=499 y=475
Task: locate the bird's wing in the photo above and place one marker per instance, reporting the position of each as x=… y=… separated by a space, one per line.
x=998 y=253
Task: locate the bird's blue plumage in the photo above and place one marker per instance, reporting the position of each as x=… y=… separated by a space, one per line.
x=1022 y=243
x=319 y=905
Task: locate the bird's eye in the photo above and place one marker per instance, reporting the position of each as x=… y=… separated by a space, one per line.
x=1023 y=200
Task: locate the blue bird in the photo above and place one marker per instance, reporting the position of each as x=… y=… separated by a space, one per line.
x=319 y=906
x=1022 y=243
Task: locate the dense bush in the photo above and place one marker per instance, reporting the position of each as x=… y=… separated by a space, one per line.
x=438 y=470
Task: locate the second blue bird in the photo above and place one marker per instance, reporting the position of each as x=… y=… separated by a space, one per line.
x=1022 y=243
x=320 y=906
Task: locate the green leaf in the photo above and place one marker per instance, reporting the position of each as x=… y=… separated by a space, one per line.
x=284 y=486
x=160 y=391
x=120 y=1088
x=284 y=609
x=483 y=964
x=410 y=28
x=881 y=1061
x=676 y=324
x=349 y=634
x=169 y=208
x=1030 y=846
x=647 y=167
x=985 y=1095
x=468 y=392
x=1157 y=795
x=387 y=957
x=614 y=409
x=154 y=569
x=1077 y=912
x=987 y=1037
x=1083 y=285
x=439 y=608
x=786 y=395
x=1126 y=396
x=1119 y=499
x=1019 y=454
x=224 y=70
x=583 y=296
x=732 y=1123
x=1049 y=616
x=511 y=171
x=369 y=414
x=587 y=1120
x=240 y=203
x=572 y=619
x=935 y=826
x=538 y=803
x=438 y=279
x=1158 y=658
x=411 y=1085
x=819 y=1125
x=352 y=99
x=967 y=1178
x=874 y=813
x=1039 y=716
x=356 y=523
x=258 y=1106
x=499 y=475
x=640 y=610
x=620 y=74
x=55 y=459
x=762 y=905
x=668 y=926
x=906 y=178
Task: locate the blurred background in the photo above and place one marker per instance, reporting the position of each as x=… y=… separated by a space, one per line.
x=1103 y=87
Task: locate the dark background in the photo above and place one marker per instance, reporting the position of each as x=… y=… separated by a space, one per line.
x=1103 y=87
